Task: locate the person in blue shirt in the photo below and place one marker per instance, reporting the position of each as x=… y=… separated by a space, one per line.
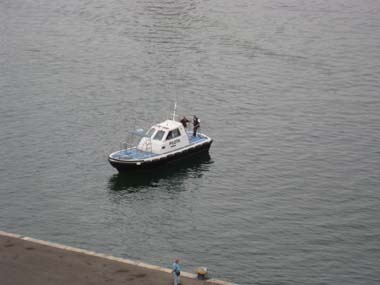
x=176 y=272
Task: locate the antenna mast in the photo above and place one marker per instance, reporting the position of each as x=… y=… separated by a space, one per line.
x=175 y=108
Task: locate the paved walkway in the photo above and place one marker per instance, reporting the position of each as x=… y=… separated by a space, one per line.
x=26 y=261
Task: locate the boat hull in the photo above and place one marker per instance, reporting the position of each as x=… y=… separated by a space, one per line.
x=177 y=157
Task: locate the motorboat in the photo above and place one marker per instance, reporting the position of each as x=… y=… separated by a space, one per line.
x=165 y=142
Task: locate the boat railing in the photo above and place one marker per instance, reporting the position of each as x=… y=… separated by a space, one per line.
x=148 y=145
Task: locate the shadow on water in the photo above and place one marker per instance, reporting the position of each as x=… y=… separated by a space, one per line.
x=169 y=174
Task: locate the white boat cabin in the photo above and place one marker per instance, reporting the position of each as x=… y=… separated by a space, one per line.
x=164 y=137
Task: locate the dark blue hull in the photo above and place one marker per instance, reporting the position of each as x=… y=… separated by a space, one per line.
x=127 y=166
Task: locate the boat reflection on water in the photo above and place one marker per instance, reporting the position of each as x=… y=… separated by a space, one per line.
x=169 y=174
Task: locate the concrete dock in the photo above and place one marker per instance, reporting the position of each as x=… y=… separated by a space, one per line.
x=29 y=261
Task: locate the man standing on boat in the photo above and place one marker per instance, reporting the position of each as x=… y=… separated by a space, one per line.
x=196 y=125
x=184 y=121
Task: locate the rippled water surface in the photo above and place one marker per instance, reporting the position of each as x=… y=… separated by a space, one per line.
x=289 y=90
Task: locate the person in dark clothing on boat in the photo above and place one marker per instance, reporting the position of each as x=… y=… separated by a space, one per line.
x=196 y=125
x=184 y=121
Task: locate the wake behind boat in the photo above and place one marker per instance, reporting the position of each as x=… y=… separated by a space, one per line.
x=166 y=142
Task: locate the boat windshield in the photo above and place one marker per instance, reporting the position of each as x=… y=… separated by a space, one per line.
x=150 y=133
x=159 y=135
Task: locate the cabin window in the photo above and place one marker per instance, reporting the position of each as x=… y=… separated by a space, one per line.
x=150 y=133
x=159 y=135
x=176 y=133
x=173 y=134
x=169 y=136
